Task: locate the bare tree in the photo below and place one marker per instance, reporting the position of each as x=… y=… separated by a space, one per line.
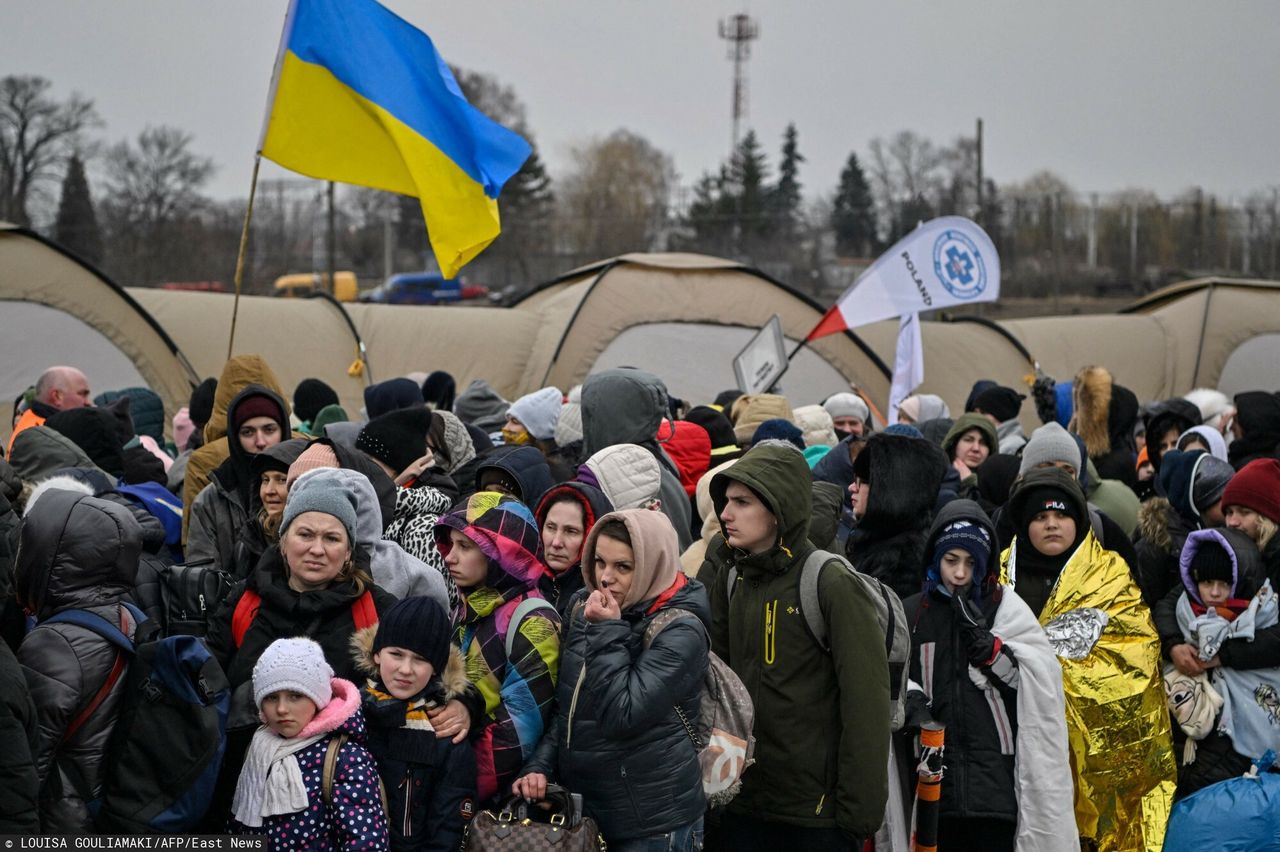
x=37 y=134
x=906 y=172
x=615 y=201
x=153 y=187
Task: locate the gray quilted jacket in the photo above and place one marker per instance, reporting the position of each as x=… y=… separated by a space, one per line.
x=78 y=552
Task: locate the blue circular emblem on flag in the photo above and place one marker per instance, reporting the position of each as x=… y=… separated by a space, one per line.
x=959 y=265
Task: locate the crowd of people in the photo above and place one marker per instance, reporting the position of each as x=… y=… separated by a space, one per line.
x=448 y=602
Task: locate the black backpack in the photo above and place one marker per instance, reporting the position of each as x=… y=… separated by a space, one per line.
x=166 y=748
x=191 y=595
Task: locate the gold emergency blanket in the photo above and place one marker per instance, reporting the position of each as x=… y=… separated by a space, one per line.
x=1117 y=721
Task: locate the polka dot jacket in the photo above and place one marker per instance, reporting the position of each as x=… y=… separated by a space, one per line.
x=355 y=819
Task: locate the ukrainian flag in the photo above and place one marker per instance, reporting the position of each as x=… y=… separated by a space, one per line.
x=361 y=96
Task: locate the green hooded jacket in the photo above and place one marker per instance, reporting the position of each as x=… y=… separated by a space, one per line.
x=822 y=719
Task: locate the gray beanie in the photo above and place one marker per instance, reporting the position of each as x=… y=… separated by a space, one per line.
x=1051 y=443
x=847 y=405
x=1209 y=478
x=297 y=665
x=322 y=490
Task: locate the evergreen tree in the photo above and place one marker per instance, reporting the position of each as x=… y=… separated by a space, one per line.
x=785 y=197
x=710 y=218
x=853 y=216
x=76 y=228
x=749 y=173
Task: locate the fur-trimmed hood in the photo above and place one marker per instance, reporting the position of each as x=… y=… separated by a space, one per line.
x=1091 y=399
x=453 y=678
x=1105 y=412
x=1154 y=520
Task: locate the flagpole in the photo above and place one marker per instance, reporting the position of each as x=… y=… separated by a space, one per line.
x=244 y=244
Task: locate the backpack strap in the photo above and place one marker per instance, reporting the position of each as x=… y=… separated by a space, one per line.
x=245 y=612
x=331 y=767
x=660 y=621
x=730 y=581
x=524 y=609
x=115 y=635
x=363 y=612
x=810 y=606
x=809 y=599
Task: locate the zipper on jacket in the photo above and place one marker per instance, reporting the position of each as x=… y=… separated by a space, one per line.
x=573 y=706
x=407 y=827
x=770 y=631
x=821 y=801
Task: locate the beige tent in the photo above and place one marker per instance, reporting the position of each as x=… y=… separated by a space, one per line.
x=682 y=316
x=56 y=309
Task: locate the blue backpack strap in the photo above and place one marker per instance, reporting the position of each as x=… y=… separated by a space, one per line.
x=97 y=624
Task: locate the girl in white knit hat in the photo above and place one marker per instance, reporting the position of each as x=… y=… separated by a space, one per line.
x=308 y=781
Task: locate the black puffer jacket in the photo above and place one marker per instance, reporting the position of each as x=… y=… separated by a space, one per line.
x=526 y=466
x=19 y=739
x=888 y=542
x=78 y=552
x=616 y=736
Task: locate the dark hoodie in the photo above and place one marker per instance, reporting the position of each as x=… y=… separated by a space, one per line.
x=525 y=466
x=1258 y=414
x=822 y=719
x=1177 y=414
x=888 y=541
x=1037 y=573
x=220 y=512
x=1122 y=418
x=559 y=588
x=1163 y=525
x=627 y=406
x=480 y=405
x=253 y=539
x=78 y=552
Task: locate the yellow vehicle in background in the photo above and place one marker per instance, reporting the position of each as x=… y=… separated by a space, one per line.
x=301 y=283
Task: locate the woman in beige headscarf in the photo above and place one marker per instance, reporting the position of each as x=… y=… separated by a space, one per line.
x=626 y=692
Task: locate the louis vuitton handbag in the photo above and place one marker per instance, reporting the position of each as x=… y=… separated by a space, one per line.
x=516 y=827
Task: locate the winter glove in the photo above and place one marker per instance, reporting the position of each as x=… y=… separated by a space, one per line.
x=980 y=645
x=917 y=710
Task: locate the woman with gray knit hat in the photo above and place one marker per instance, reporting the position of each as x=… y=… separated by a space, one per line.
x=309 y=585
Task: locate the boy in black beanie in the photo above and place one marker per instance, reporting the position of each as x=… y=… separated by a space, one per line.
x=429 y=770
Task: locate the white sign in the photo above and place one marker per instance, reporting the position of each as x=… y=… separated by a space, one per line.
x=762 y=361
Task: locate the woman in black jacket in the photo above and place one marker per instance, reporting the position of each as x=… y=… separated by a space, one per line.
x=310 y=585
x=952 y=651
x=625 y=699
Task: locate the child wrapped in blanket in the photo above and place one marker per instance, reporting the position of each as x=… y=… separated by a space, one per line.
x=1226 y=601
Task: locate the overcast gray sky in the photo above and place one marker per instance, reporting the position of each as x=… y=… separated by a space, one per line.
x=1161 y=95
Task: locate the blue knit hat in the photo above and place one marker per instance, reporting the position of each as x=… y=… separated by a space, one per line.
x=778 y=429
x=906 y=430
x=966 y=536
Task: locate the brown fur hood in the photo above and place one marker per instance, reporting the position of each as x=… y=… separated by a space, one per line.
x=454 y=676
x=1153 y=522
x=1092 y=391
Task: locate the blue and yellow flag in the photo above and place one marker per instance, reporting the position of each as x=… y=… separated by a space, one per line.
x=361 y=96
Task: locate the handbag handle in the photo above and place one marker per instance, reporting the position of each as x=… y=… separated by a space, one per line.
x=556 y=795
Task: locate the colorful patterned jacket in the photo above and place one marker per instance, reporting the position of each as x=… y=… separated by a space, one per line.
x=518 y=692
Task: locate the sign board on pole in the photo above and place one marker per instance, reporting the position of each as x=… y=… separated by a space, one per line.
x=762 y=361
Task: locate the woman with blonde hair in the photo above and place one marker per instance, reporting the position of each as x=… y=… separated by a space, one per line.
x=311 y=584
